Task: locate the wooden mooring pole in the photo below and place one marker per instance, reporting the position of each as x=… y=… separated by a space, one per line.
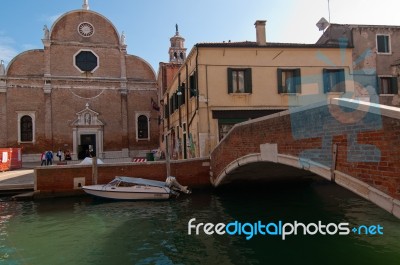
x=94 y=170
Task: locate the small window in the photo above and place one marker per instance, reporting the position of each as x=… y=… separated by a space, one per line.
x=388 y=85
x=143 y=127
x=26 y=129
x=383 y=43
x=289 y=81
x=239 y=80
x=334 y=80
x=225 y=125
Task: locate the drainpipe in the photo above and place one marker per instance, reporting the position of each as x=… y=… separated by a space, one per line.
x=197 y=78
x=208 y=114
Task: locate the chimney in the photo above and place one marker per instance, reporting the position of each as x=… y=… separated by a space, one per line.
x=260 y=32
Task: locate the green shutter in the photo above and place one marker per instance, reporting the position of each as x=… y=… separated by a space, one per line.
x=378 y=85
x=381 y=43
x=247 y=81
x=230 y=85
x=342 y=80
x=176 y=100
x=297 y=74
x=325 y=77
x=192 y=85
x=166 y=111
x=280 y=88
x=395 y=89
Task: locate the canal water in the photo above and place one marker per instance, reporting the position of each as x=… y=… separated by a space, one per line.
x=90 y=231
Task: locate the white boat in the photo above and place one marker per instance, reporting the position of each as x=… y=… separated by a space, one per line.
x=127 y=188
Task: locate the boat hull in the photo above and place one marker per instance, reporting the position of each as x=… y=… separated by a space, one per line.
x=128 y=193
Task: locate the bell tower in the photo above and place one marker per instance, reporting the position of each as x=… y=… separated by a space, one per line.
x=177 y=51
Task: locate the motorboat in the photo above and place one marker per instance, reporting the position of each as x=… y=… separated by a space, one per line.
x=128 y=188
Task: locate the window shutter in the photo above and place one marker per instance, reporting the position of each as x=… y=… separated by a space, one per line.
x=280 y=88
x=176 y=100
x=378 y=85
x=297 y=80
x=342 y=80
x=166 y=111
x=247 y=81
x=381 y=43
x=325 y=77
x=183 y=96
x=230 y=85
x=395 y=89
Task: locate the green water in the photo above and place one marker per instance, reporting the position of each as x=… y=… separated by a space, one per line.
x=89 y=231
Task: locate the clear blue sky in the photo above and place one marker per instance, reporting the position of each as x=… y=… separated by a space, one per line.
x=148 y=24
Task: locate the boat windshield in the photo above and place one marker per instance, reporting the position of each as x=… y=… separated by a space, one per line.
x=126 y=184
x=114 y=183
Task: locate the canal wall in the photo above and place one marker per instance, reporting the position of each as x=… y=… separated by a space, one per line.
x=66 y=180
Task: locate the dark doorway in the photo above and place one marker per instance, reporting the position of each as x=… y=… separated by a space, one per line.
x=87 y=148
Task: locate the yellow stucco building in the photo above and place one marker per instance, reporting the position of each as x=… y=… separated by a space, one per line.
x=220 y=84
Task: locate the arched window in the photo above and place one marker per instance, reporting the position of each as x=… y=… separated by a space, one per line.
x=143 y=127
x=26 y=129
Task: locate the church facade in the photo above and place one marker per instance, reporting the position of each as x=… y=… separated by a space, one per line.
x=82 y=92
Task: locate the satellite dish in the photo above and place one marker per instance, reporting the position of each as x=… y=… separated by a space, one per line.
x=322 y=24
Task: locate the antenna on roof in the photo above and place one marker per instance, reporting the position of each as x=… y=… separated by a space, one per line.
x=329 y=11
x=322 y=24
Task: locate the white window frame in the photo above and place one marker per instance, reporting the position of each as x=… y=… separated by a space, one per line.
x=390 y=44
x=31 y=114
x=147 y=114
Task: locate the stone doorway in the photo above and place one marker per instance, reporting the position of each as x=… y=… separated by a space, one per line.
x=87 y=147
x=87 y=134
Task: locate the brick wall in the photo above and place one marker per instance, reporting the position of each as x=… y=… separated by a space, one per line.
x=368 y=142
x=58 y=180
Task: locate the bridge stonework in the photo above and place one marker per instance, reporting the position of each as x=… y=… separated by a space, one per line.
x=356 y=144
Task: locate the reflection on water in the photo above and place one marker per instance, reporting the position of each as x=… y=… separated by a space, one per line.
x=90 y=231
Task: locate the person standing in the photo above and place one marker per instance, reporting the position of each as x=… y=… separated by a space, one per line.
x=43 y=158
x=49 y=157
x=59 y=154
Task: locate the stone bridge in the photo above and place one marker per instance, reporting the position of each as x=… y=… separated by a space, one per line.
x=353 y=143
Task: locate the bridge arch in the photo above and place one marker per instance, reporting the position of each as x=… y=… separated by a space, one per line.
x=295 y=167
x=361 y=156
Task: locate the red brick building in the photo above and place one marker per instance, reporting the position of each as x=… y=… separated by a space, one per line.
x=166 y=75
x=81 y=92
